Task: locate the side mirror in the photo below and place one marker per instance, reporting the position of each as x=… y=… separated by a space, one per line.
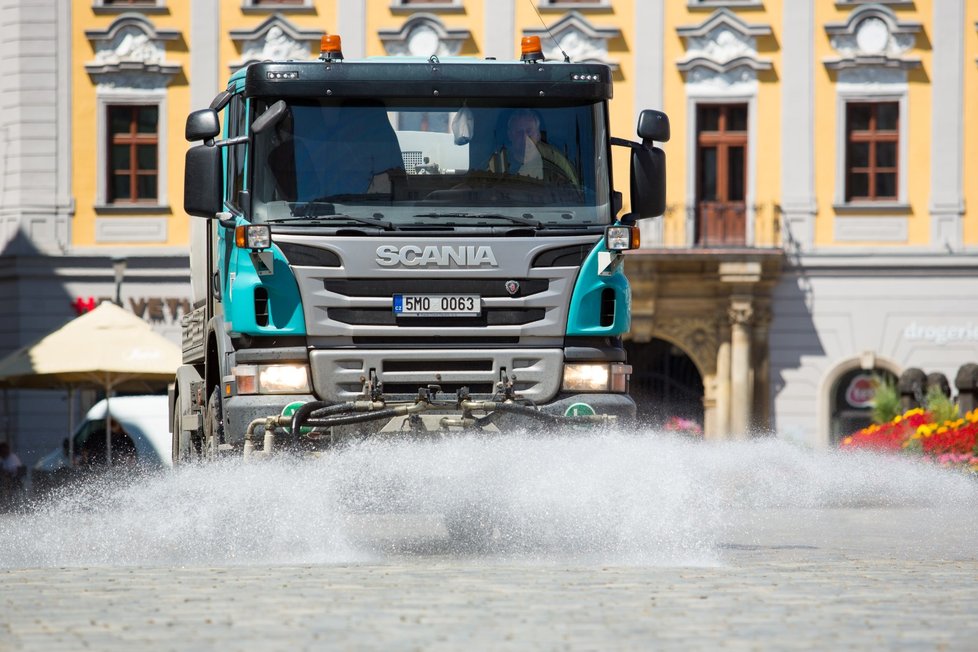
x=653 y=125
x=202 y=125
x=203 y=184
x=271 y=117
x=648 y=177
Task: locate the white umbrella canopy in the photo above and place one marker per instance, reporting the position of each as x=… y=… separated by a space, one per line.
x=108 y=348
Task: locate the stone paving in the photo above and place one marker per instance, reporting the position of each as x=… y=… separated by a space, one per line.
x=835 y=579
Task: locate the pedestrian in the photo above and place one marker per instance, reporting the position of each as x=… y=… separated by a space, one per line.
x=12 y=472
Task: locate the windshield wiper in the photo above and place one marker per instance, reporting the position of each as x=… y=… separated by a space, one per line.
x=370 y=221
x=522 y=219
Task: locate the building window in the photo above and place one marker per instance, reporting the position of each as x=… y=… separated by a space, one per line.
x=721 y=175
x=133 y=154
x=872 y=146
x=260 y=3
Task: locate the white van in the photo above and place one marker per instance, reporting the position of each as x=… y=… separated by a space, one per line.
x=144 y=418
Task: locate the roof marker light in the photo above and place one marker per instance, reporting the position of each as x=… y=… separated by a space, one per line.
x=331 y=48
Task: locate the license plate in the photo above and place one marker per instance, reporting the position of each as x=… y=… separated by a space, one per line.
x=437 y=305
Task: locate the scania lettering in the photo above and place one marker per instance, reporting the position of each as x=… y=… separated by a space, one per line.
x=415 y=256
x=407 y=247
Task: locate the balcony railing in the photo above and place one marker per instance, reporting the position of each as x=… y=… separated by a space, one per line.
x=714 y=225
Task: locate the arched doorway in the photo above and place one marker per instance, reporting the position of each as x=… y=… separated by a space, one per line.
x=851 y=401
x=665 y=382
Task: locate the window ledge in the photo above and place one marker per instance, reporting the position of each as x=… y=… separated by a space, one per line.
x=903 y=4
x=440 y=7
x=121 y=9
x=272 y=9
x=693 y=5
x=131 y=209
x=888 y=207
x=564 y=6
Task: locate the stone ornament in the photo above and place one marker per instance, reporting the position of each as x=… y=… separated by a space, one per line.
x=722 y=50
x=131 y=53
x=277 y=39
x=873 y=37
x=424 y=35
x=577 y=37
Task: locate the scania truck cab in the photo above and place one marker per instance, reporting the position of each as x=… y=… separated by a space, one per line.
x=397 y=245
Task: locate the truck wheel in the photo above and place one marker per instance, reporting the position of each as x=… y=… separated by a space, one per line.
x=213 y=425
x=185 y=446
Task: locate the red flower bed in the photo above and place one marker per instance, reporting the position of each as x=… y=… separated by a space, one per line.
x=951 y=443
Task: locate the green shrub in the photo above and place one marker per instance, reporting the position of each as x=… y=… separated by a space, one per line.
x=941 y=407
x=886 y=400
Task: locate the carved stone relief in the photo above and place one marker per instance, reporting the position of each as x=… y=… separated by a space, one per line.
x=424 y=35
x=578 y=38
x=722 y=50
x=131 y=53
x=276 y=39
x=276 y=46
x=872 y=36
x=697 y=336
x=740 y=314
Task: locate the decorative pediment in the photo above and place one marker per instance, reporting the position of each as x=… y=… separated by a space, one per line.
x=872 y=36
x=275 y=39
x=723 y=44
x=575 y=35
x=131 y=53
x=423 y=35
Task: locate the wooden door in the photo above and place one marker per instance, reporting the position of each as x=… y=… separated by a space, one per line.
x=721 y=175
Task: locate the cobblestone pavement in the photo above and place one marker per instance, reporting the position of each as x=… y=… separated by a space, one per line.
x=786 y=579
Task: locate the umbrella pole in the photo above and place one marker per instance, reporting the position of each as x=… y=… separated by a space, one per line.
x=108 y=426
x=71 y=426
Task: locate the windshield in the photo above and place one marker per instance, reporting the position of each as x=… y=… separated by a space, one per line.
x=453 y=162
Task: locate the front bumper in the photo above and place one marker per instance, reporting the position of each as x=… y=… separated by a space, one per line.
x=241 y=411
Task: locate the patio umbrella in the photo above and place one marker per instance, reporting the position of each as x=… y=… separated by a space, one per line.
x=108 y=348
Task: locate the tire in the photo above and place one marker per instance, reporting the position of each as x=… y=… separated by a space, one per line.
x=213 y=425
x=186 y=449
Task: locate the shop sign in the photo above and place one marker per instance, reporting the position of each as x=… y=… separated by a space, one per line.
x=943 y=334
x=860 y=392
x=153 y=309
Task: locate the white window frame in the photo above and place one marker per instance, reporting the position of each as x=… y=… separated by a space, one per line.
x=693 y=100
x=847 y=94
x=130 y=98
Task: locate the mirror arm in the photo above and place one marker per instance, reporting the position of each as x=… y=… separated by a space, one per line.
x=621 y=142
x=237 y=140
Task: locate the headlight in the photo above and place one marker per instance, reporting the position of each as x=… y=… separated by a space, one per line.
x=271 y=379
x=621 y=238
x=596 y=377
x=253 y=236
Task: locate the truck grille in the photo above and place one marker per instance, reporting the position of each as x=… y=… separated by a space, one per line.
x=384 y=317
x=374 y=287
x=338 y=374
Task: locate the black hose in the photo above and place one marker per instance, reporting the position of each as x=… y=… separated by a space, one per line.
x=347 y=419
x=304 y=411
x=530 y=412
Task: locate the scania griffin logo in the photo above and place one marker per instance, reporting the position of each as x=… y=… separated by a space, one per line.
x=432 y=256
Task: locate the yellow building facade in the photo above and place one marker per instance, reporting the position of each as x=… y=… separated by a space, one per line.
x=821 y=173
